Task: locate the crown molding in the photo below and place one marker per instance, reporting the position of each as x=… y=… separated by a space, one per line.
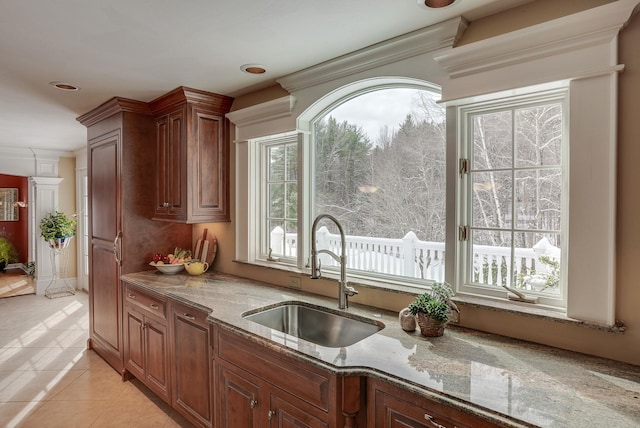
x=429 y=39
x=113 y=106
x=32 y=153
x=46 y=181
x=263 y=112
x=591 y=27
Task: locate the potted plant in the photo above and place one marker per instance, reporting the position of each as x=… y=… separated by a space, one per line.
x=432 y=309
x=56 y=227
x=8 y=253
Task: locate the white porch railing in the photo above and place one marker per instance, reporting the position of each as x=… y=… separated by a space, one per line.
x=414 y=258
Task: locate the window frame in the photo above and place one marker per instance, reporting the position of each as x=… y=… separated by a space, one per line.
x=307 y=170
x=465 y=114
x=259 y=206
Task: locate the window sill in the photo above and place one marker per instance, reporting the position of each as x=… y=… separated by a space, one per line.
x=532 y=311
x=462 y=300
x=270 y=265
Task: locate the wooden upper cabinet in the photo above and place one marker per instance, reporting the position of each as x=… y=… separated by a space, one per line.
x=192 y=175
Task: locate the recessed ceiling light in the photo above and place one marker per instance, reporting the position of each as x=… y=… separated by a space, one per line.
x=253 y=69
x=436 y=4
x=64 y=86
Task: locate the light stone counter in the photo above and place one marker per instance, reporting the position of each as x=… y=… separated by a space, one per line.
x=510 y=382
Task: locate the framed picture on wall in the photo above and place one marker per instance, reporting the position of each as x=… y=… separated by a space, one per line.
x=8 y=204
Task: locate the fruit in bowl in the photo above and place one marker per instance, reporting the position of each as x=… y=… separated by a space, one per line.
x=171 y=263
x=168 y=268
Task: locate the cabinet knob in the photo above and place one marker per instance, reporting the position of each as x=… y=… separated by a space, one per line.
x=166 y=205
x=429 y=418
x=154 y=306
x=271 y=414
x=192 y=318
x=131 y=296
x=253 y=404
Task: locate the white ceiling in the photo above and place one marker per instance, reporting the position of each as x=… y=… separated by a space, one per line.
x=142 y=49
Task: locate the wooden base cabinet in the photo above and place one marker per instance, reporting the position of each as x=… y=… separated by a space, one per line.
x=259 y=388
x=392 y=407
x=146 y=346
x=247 y=401
x=192 y=372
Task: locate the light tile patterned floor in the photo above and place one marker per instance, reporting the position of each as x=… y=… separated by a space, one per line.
x=14 y=282
x=49 y=379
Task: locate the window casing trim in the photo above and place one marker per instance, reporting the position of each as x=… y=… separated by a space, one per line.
x=464 y=114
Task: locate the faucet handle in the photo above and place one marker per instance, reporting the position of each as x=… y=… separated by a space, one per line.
x=317 y=273
x=350 y=291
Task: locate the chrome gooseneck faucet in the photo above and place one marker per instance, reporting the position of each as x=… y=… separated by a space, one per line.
x=344 y=290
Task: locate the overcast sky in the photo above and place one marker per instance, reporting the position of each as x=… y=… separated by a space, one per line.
x=373 y=110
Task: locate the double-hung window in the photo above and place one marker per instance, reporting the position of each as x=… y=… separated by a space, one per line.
x=278 y=160
x=513 y=197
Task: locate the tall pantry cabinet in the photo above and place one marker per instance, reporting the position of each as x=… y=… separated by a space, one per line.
x=123 y=237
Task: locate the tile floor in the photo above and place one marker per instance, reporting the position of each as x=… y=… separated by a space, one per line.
x=49 y=379
x=14 y=282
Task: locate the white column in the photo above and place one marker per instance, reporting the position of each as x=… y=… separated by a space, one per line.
x=44 y=191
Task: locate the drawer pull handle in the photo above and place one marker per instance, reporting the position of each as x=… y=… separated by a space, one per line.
x=253 y=404
x=131 y=296
x=154 y=306
x=190 y=317
x=271 y=414
x=429 y=418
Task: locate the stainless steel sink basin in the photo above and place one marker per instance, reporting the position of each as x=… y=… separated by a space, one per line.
x=315 y=324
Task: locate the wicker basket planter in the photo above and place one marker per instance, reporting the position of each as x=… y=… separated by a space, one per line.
x=430 y=327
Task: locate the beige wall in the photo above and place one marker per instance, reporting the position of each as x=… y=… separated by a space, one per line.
x=623 y=347
x=67 y=204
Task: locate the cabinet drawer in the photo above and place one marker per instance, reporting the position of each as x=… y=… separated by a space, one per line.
x=152 y=305
x=194 y=315
x=303 y=381
x=389 y=406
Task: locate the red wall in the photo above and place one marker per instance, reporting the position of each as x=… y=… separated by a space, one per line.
x=17 y=232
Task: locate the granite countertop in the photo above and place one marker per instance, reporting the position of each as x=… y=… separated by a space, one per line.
x=511 y=382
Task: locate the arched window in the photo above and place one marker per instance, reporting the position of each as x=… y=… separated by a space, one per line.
x=378 y=166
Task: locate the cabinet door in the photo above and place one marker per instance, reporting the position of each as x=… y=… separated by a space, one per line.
x=146 y=351
x=239 y=395
x=104 y=226
x=156 y=357
x=208 y=166
x=289 y=412
x=171 y=183
x=134 y=343
x=191 y=364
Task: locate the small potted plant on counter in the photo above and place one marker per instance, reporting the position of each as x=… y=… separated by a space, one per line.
x=56 y=227
x=432 y=309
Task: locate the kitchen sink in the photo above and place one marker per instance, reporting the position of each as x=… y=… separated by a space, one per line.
x=315 y=324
